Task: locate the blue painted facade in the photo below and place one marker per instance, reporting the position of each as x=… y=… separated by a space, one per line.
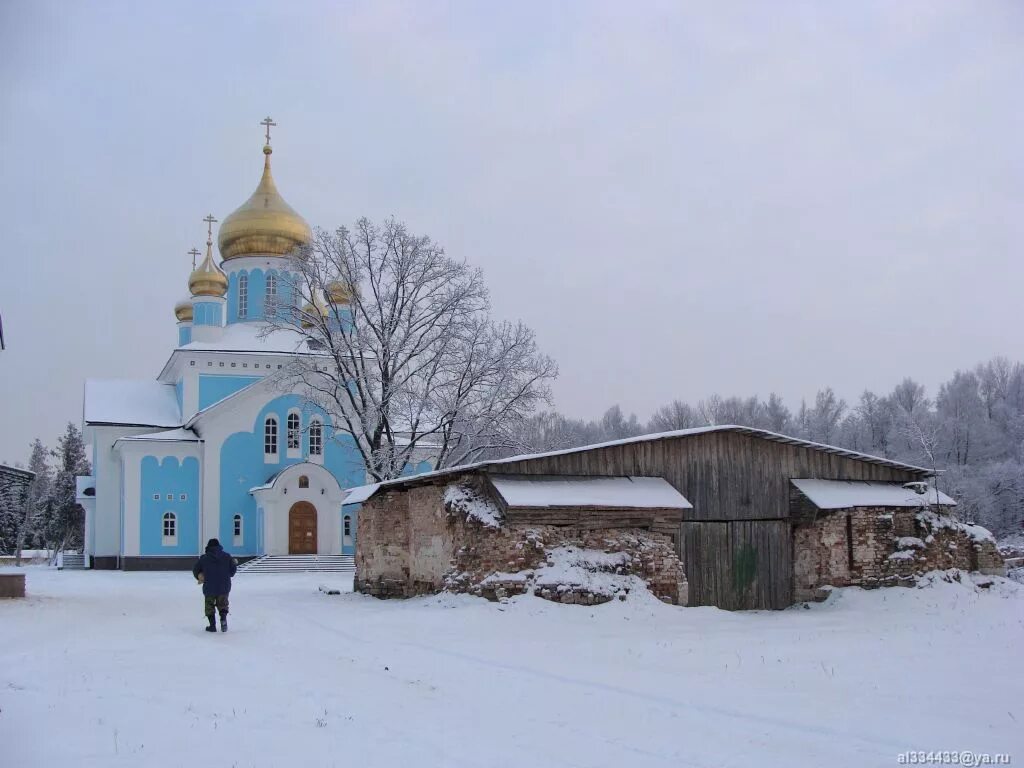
x=214 y=388
x=207 y=313
x=184 y=335
x=257 y=293
x=349 y=520
x=169 y=485
x=243 y=466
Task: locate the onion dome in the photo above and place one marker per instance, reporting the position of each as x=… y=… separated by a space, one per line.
x=339 y=292
x=207 y=279
x=265 y=225
x=315 y=307
x=183 y=310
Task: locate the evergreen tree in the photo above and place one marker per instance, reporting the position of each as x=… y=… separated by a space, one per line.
x=35 y=511
x=66 y=520
x=12 y=500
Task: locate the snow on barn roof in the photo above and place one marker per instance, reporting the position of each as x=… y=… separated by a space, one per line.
x=611 y=492
x=360 y=494
x=367 y=491
x=131 y=402
x=843 y=494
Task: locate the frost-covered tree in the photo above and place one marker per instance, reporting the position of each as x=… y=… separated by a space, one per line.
x=822 y=421
x=66 y=522
x=675 y=415
x=615 y=425
x=37 y=508
x=777 y=415
x=415 y=360
x=13 y=487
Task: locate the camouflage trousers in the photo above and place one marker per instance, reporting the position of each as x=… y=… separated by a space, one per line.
x=220 y=602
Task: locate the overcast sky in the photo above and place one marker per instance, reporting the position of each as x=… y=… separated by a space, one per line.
x=680 y=198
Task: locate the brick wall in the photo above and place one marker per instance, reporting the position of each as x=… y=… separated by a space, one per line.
x=888 y=545
x=411 y=543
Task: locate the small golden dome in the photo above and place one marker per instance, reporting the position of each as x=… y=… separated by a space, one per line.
x=207 y=279
x=264 y=225
x=339 y=292
x=183 y=310
x=317 y=306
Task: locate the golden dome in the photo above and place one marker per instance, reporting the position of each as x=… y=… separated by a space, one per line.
x=317 y=306
x=264 y=225
x=183 y=310
x=207 y=279
x=339 y=292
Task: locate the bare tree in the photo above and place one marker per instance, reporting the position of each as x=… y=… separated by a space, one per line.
x=414 y=363
x=675 y=415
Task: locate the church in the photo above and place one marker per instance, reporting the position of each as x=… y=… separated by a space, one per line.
x=217 y=445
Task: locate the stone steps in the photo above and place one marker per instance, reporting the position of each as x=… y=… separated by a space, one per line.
x=300 y=564
x=72 y=562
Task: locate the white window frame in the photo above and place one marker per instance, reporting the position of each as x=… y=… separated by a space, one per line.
x=270 y=296
x=169 y=539
x=316 y=440
x=243 y=295
x=293 y=434
x=347 y=535
x=237 y=530
x=271 y=456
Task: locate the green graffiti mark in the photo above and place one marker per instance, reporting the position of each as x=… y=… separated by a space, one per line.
x=744 y=568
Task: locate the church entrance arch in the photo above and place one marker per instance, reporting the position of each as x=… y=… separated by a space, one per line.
x=302 y=529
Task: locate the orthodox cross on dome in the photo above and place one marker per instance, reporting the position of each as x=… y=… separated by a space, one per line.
x=193 y=253
x=210 y=221
x=269 y=124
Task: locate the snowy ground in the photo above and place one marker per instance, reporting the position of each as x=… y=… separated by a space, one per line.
x=113 y=669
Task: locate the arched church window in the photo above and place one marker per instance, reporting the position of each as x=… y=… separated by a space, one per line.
x=170 y=529
x=270 y=436
x=303 y=481
x=294 y=435
x=271 y=300
x=236 y=530
x=243 y=295
x=316 y=438
x=347 y=531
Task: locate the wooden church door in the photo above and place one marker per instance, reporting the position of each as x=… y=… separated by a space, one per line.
x=302 y=529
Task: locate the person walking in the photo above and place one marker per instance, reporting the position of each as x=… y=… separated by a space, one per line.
x=214 y=571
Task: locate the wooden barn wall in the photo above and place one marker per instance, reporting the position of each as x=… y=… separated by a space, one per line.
x=738 y=565
x=725 y=475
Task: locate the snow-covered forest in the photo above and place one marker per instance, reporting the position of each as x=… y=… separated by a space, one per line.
x=47 y=516
x=972 y=428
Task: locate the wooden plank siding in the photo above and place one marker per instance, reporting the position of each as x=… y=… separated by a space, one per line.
x=725 y=475
x=739 y=565
x=736 y=542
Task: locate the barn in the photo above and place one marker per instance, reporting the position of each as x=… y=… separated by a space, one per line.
x=729 y=516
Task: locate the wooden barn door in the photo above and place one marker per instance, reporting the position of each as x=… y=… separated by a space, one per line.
x=738 y=565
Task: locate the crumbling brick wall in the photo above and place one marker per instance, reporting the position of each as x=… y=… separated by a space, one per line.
x=412 y=543
x=884 y=546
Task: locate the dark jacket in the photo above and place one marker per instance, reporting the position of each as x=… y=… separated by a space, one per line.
x=217 y=567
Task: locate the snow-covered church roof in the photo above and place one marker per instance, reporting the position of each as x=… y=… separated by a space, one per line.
x=167 y=436
x=131 y=402
x=254 y=338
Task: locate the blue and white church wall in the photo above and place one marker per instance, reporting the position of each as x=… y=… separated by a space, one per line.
x=242 y=455
x=251 y=279
x=103 y=520
x=160 y=499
